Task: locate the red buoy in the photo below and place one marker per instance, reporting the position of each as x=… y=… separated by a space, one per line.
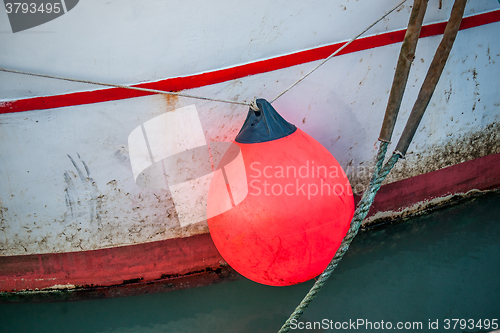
x=297 y=209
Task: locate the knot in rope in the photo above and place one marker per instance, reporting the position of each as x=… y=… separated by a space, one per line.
x=253 y=105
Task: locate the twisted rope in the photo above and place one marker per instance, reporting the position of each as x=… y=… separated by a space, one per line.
x=380 y=173
x=154 y=91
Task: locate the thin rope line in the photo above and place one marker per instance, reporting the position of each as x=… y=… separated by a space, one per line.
x=337 y=51
x=380 y=173
x=155 y=91
x=163 y=92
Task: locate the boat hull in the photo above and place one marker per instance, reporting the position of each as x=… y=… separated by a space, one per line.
x=75 y=215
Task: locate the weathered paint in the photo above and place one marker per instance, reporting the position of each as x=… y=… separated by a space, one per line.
x=46 y=204
x=236 y=72
x=460 y=148
x=427 y=191
x=66 y=184
x=182 y=262
x=130 y=288
x=129 y=42
x=113 y=266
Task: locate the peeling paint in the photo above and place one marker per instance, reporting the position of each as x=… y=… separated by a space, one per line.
x=61 y=287
x=3 y=227
x=421 y=208
x=70 y=292
x=55 y=203
x=466 y=147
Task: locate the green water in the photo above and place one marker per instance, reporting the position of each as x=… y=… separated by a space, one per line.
x=445 y=265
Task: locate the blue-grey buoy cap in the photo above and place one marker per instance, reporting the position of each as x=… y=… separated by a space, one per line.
x=264 y=125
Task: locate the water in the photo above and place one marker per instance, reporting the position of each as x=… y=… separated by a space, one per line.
x=445 y=265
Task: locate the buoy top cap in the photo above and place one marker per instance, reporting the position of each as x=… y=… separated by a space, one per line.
x=264 y=125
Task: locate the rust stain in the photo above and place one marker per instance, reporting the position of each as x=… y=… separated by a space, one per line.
x=171 y=101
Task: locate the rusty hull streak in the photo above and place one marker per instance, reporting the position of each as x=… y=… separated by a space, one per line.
x=171 y=101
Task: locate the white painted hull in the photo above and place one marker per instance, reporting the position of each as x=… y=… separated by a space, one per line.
x=48 y=208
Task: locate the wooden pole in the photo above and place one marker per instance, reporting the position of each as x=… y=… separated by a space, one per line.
x=406 y=56
x=433 y=75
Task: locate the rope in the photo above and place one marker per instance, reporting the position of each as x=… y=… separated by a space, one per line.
x=155 y=91
x=337 y=51
x=252 y=105
x=361 y=211
x=381 y=171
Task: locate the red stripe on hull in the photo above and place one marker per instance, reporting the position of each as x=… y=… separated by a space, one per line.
x=481 y=174
x=180 y=259
x=113 y=266
x=218 y=76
